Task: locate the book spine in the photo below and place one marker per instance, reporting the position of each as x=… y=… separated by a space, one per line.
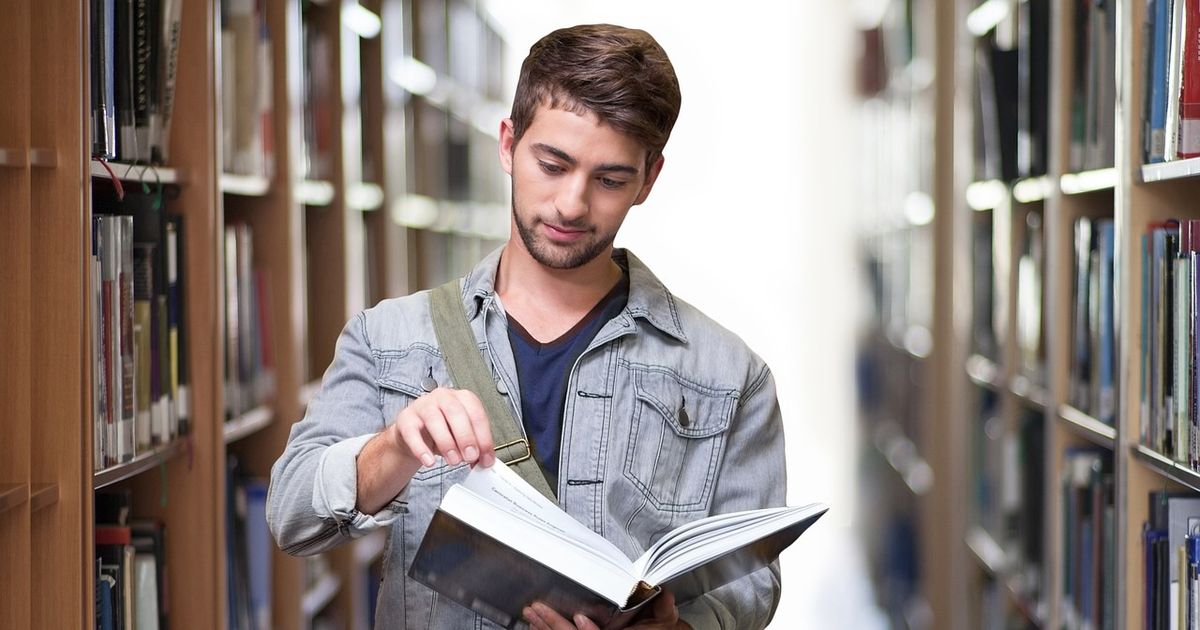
x=128 y=368
x=1174 y=80
x=124 y=81
x=1189 y=93
x=104 y=135
x=1158 y=79
x=168 y=68
x=142 y=34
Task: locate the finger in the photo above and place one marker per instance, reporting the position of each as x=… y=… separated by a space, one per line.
x=434 y=423
x=413 y=437
x=481 y=425
x=583 y=623
x=461 y=428
x=664 y=608
x=551 y=618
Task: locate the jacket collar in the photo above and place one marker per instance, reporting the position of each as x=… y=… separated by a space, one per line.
x=649 y=298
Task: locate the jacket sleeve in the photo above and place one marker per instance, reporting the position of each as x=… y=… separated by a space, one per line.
x=752 y=476
x=310 y=505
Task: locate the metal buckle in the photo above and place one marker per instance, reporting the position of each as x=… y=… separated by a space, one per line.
x=527 y=455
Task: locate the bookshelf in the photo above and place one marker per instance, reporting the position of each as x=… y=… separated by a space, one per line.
x=316 y=245
x=1042 y=215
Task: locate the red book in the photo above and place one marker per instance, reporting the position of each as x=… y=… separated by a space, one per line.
x=1189 y=92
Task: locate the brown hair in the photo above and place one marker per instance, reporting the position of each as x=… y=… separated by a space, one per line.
x=620 y=74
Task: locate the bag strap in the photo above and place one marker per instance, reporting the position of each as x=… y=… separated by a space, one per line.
x=469 y=372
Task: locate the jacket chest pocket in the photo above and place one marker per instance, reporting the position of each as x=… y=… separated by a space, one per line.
x=405 y=376
x=676 y=438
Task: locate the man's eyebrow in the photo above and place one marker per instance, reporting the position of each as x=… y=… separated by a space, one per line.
x=564 y=156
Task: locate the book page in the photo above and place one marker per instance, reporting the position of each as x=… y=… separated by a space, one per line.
x=704 y=540
x=505 y=489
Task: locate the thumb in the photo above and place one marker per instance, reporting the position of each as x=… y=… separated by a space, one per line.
x=664 y=608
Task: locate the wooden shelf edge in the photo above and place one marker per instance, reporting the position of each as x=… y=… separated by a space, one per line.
x=1033 y=189
x=987 y=551
x=364 y=196
x=13 y=158
x=1088 y=181
x=43 y=496
x=315 y=192
x=1087 y=426
x=13 y=495
x=986 y=195
x=137 y=173
x=244 y=185
x=369 y=548
x=1166 y=467
x=901 y=454
x=984 y=372
x=320 y=595
x=248 y=423
x=139 y=465
x=307 y=392
x=1175 y=169
x=1026 y=390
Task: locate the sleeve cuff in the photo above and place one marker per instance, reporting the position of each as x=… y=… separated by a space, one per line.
x=335 y=490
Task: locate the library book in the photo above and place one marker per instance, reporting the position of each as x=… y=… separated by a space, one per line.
x=496 y=545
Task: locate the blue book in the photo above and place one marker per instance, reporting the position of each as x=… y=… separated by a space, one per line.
x=1107 y=413
x=1160 y=35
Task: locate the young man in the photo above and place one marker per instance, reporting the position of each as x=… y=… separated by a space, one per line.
x=642 y=413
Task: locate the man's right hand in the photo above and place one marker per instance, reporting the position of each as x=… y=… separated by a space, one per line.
x=447 y=422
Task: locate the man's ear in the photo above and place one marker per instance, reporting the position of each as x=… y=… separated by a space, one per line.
x=651 y=177
x=507 y=144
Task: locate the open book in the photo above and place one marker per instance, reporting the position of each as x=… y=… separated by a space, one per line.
x=495 y=545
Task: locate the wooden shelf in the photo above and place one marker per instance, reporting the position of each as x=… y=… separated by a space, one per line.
x=901 y=454
x=1176 y=169
x=43 y=496
x=248 y=423
x=369 y=548
x=12 y=495
x=13 y=158
x=985 y=17
x=364 y=197
x=1088 y=181
x=1033 y=189
x=1084 y=425
x=986 y=551
x=244 y=185
x=984 y=372
x=43 y=158
x=137 y=173
x=314 y=192
x=321 y=594
x=986 y=195
x=139 y=465
x=1030 y=392
x=1166 y=467
x=308 y=391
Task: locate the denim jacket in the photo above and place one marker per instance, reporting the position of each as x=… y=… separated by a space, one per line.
x=668 y=418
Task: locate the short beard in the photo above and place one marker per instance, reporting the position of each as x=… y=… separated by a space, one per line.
x=554 y=256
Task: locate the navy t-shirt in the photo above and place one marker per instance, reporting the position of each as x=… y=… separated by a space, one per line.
x=543 y=370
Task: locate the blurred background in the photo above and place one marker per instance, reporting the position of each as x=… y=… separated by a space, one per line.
x=960 y=232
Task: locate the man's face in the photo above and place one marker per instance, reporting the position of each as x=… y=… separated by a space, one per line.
x=573 y=181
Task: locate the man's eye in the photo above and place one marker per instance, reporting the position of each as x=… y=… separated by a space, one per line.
x=552 y=169
x=612 y=184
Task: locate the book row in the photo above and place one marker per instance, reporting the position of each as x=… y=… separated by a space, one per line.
x=140 y=392
x=1171 y=545
x=249 y=364
x=247 y=141
x=1171 y=98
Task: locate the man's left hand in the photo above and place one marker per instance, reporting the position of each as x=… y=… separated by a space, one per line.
x=665 y=617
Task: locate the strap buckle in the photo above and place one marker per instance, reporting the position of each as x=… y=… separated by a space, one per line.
x=527 y=455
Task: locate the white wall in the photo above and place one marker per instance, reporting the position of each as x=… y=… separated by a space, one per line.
x=751 y=222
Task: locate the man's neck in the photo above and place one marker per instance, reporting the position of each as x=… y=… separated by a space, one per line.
x=549 y=301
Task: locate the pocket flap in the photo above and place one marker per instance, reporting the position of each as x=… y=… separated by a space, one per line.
x=409 y=371
x=692 y=410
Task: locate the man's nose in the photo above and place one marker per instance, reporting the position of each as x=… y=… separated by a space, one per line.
x=572 y=200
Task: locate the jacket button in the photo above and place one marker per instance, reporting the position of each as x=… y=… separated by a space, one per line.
x=501 y=387
x=684 y=420
x=429 y=383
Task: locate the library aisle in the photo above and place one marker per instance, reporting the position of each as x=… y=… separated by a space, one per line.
x=202 y=192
